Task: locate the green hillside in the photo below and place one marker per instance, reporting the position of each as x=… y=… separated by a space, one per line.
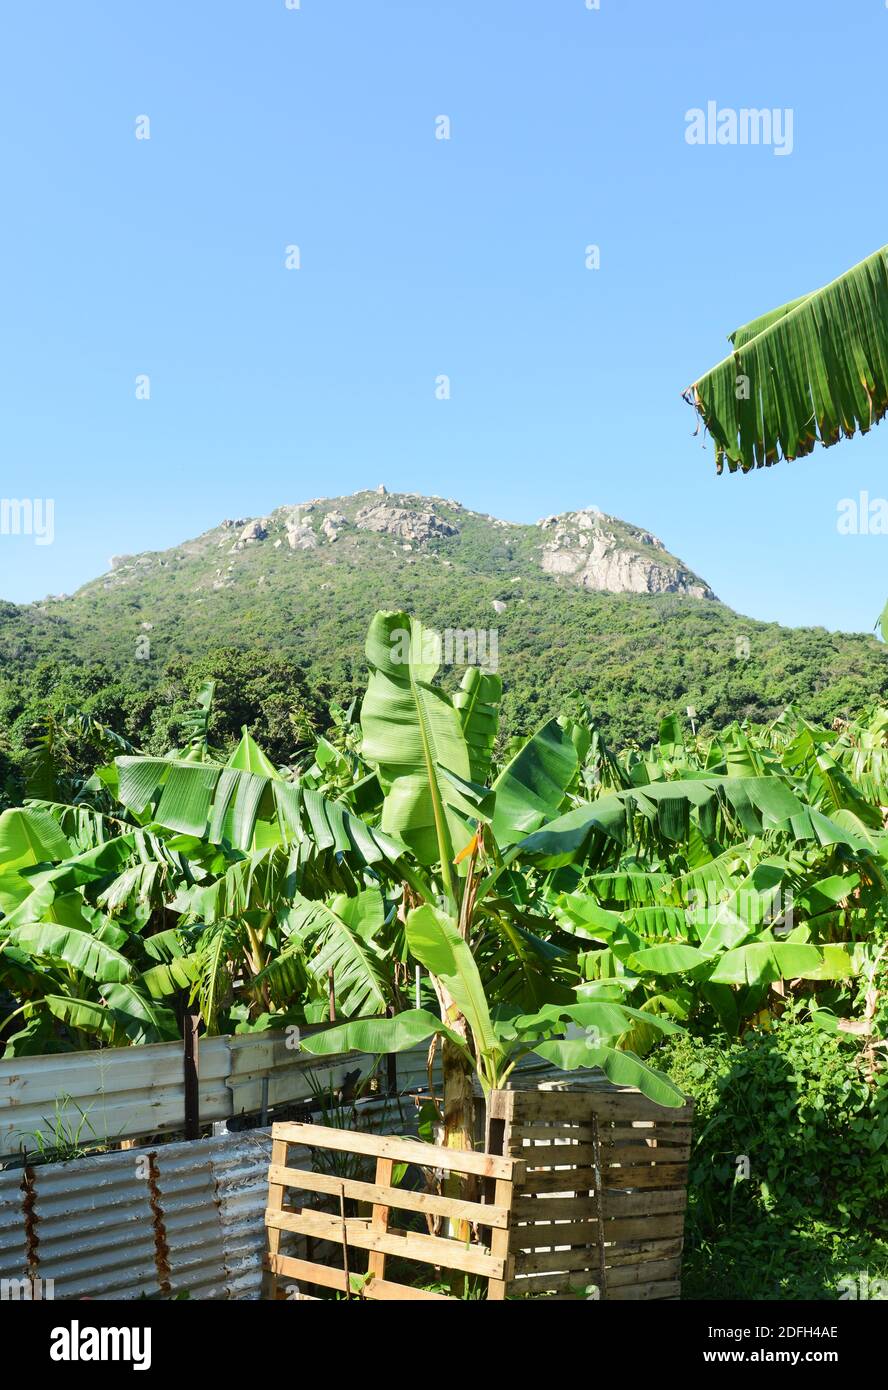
x=294 y=599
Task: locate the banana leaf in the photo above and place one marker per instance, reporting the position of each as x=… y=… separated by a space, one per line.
x=411 y=730
x=814 y=370
x=531 y=787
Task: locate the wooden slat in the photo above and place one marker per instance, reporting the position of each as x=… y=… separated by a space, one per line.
x=555 y=1282
x=644 y=1203
x=562 y=1180
x=640 y=1251
x=552 y=1233
x=626 y=1154
x=329 y=1278
x=451 y=1207
x=380 y=1218
x=658 y=1175
x=499 y=1244
x=560 y=1107
x=665 y=1289
x=643 y=1227
x=545 y=1208
x=663 y=1134
x=275 y=1203
x=650 y=1271
x=536 y=1261
x=584 y=1133
x=408 y=1245
x=401 y=1150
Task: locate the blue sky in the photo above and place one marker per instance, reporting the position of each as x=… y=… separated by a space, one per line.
x=315 y=127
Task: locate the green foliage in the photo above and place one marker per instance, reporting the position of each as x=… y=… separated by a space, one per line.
x=279 y=650
x=800 y=1105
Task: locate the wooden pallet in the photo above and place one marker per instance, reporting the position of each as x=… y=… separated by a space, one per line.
x=358 y=1247
x=601 y=1206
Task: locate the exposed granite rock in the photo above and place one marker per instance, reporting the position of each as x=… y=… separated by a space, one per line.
x=596 y=552
x=253 y=531
x=332 y=525
x=408 y=525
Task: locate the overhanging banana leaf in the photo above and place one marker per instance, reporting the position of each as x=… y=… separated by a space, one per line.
x=814 y=370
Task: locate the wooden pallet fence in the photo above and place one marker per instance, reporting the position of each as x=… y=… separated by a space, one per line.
x=317 y=1207
x=600 y=1210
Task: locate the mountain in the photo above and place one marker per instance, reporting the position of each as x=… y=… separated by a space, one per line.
x=578 y=603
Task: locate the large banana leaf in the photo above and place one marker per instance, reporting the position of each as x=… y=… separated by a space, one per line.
x=435 y=941
x=380 y=1035
x=235 y=806
x=531 y=787
x=77 y=949
x=477 y=703
x=623 y=1068
x=813 y=370
x=30 y=836
x=411 y=733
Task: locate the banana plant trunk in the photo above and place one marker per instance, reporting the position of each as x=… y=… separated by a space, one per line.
x=459 y=1099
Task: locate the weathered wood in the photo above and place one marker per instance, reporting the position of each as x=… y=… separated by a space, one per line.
x=555 y=1234
x=287 y=1266
x=557 y=1155
x=650 y=1271
x=561 y=1180
x=632 y=1252
x=499 y=1243
x=275 y=1203
x=662 y=1133
x=643 y=1154
x=611 y=1167
x=643 y=1203
x=556 y=1134
x=406 y=1245
x=380 y=1218
x=401 y=1150
x=658 y=1175
x=537 y=1261
x=546 y=1209
x=642 y=1227
x=665 y=1289
x=555 y=1282
x=562 y=1107
x=404 y=1198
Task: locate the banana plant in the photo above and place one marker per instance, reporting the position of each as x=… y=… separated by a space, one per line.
x=490 y=1040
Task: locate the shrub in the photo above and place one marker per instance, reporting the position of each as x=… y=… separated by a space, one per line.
x=811 y=1207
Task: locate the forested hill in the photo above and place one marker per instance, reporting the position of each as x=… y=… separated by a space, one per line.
x=276 y=608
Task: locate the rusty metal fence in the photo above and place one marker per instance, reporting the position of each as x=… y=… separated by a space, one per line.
x=176 y=1219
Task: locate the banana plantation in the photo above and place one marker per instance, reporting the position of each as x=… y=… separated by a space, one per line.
x=417 y=879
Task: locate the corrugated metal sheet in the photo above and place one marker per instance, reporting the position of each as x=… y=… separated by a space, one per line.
x=174 y=1218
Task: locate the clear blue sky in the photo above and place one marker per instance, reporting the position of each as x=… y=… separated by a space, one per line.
x=421 y=257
